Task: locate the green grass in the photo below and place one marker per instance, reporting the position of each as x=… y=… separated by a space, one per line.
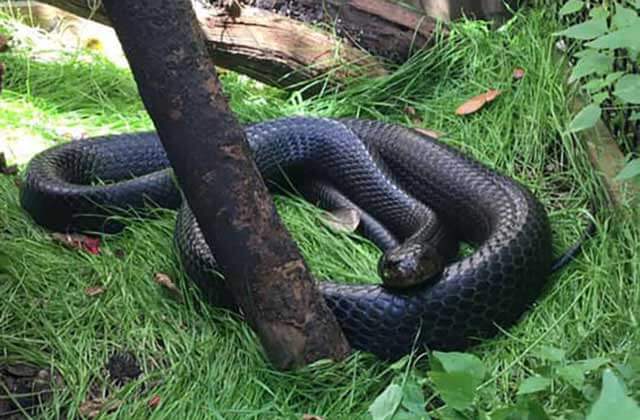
x=204 y=362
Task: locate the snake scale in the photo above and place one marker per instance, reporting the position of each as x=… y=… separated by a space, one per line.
x=419 y=198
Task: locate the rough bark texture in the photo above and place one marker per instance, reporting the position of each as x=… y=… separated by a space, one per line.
x=608 y=160
x=382 y=28
x=263 y=267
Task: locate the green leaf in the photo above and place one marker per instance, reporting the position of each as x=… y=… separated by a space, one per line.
x=586 y=118
x=552 y=354
x=628 y=88
x=593 y=62
x=570 y=7
x=597 y=84
x=628 y=37
x=598 y=98
x=599 y=12
x=524 y=410
x=413 y=399
x=590 y=29
x=612 y=77
x=625 y=17
x=613 y=402
x=574 y=373
x=387 y=403
x=460 y=362
x=630 y=170
x=455 y=388
x=400 y=364
x=635 y=116
x=534 y=384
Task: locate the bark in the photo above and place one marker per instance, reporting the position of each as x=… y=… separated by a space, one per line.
x=383 y=28
x=263 y=268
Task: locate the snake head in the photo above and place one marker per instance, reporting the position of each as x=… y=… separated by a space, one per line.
x=409 y=265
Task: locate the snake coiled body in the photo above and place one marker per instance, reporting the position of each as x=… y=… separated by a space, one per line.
x=407 y=184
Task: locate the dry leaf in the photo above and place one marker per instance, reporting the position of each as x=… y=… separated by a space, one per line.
x=342 y=220
x=518 y=73
x=410 y=111
x=477 y=102
x=311 y=417
x=4 y=44
x=78 y=241
x=492 y=94
x=92 y=408
x=166 y=282
x=94 y=291
x=154 y=401
x=430 y=133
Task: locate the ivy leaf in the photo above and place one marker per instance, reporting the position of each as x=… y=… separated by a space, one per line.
x=460 y=362
x=571 y=7
x=630 y=170
x=413 y=400
x=598 y=98
x=552 y=354
x=613 y=402
x=534 y=384
x=627 y=37
x=586 y=118
x=387 y=403
x=455 y=388
x=526 y=409
x=456 y=376
x=574 y=373
x=628 y=88
x=625 y=17
x=599 y=12
x=590 y=29
x=593 y=62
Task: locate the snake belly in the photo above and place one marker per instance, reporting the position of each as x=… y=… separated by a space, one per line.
x=404 y=171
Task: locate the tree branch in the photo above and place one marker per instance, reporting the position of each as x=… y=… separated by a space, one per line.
x=262 y=265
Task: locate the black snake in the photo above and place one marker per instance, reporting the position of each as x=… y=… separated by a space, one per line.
x=419 y=198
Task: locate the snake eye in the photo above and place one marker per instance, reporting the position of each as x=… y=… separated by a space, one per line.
x=410 y=265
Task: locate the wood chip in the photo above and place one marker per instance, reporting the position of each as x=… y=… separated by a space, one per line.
x=345 y=220
x=311 y=417
x=94 y=407
x=94 y=291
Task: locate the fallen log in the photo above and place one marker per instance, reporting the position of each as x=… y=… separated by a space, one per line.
x=263 y=267
x=283 y=52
